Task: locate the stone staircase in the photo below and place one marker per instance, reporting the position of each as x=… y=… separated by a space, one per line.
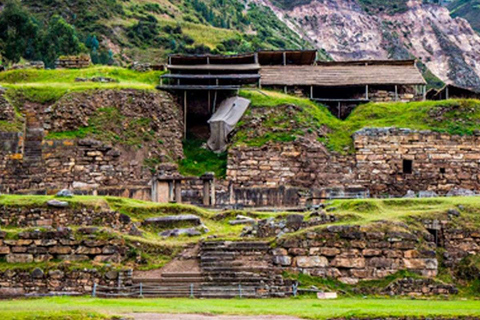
x=171 y=285
x=223 y=270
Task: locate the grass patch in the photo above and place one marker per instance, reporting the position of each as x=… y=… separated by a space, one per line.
x=456 y=117
x=199 y=160
x=48 y=86
x=305 y=308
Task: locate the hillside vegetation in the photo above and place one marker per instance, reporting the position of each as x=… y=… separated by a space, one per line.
x=268 y=120
x=47 y=86
x=467 y=9
x=114 y=31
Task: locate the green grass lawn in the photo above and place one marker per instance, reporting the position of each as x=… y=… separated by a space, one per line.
x=308 y=308
x=46 y=86
x=460 y=117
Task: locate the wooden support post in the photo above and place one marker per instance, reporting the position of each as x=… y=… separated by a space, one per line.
x=178 y=191
x=154 y=191
x=285 y=89
x=424 y=92
x=311 y=92
x=169 y=60
x=214 y=101
x=256 y=57
x=284 y=58
x=338 y=107
x=209 y=104
x=208 y=60
x=171 y=191
x=161 y=81
x=259 y=83
x=212 y=192
x=447 y=94
x=396 y=93
x=366 y=92
x=185 y=114
x=206 y=193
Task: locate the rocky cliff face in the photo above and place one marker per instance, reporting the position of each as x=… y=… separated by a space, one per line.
x=448 y=46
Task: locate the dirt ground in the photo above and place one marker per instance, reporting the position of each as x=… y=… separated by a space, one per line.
x=165 y=316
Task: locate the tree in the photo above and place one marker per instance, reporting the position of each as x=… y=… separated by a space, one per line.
x=18 y=32
x=59 y=39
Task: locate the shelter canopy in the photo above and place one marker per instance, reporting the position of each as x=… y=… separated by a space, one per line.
x=338 y=74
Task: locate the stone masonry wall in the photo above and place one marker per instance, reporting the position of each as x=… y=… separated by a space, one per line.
x=258 y=174
x=353 y=253
x=60 y=244
x=91 y=164
x=40 y=216
x=440 y=163
x=59 y=280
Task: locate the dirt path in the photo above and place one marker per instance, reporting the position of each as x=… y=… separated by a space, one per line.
x=166 y=316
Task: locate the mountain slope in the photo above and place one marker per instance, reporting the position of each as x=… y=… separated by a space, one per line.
x=373 y=29
x=150 y=29
x=467 y=9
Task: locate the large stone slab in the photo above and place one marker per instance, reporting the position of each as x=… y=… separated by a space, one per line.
x=169 y=221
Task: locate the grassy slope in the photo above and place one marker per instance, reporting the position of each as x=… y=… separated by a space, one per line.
x=305 y=308
x=50 y=85
x=452 y=116
x=199 y=160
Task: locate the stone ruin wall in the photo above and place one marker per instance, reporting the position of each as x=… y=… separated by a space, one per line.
x=440 y=163
x=353 y=253
x=276 y=173
x=91 y=165
x=57 y=281
x=53 y=241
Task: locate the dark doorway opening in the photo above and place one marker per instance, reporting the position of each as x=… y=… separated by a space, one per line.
x=407 y=166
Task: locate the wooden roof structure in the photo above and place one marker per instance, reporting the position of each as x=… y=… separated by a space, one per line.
x=338 y=74
x=287 y=57
x=451 y=91
x=198 y=59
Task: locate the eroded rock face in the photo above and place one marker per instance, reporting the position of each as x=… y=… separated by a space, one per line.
x=448 y=46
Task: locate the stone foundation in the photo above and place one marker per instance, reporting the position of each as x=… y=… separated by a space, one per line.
x=61 y=244
x=439 y=163
x=58 y=281
x=352 y=253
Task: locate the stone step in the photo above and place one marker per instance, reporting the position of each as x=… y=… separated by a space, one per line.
x=170 y=282
x=181 y=275
x=250 y=269
x=235 y=249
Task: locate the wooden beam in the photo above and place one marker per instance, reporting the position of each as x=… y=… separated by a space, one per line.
x=185 y=114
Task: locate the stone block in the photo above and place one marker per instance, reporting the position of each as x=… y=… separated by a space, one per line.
x=4 y=250
x=60 y=250
x=310 y=261
x=345 y=262
x=19 y=258
x=282 y=260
